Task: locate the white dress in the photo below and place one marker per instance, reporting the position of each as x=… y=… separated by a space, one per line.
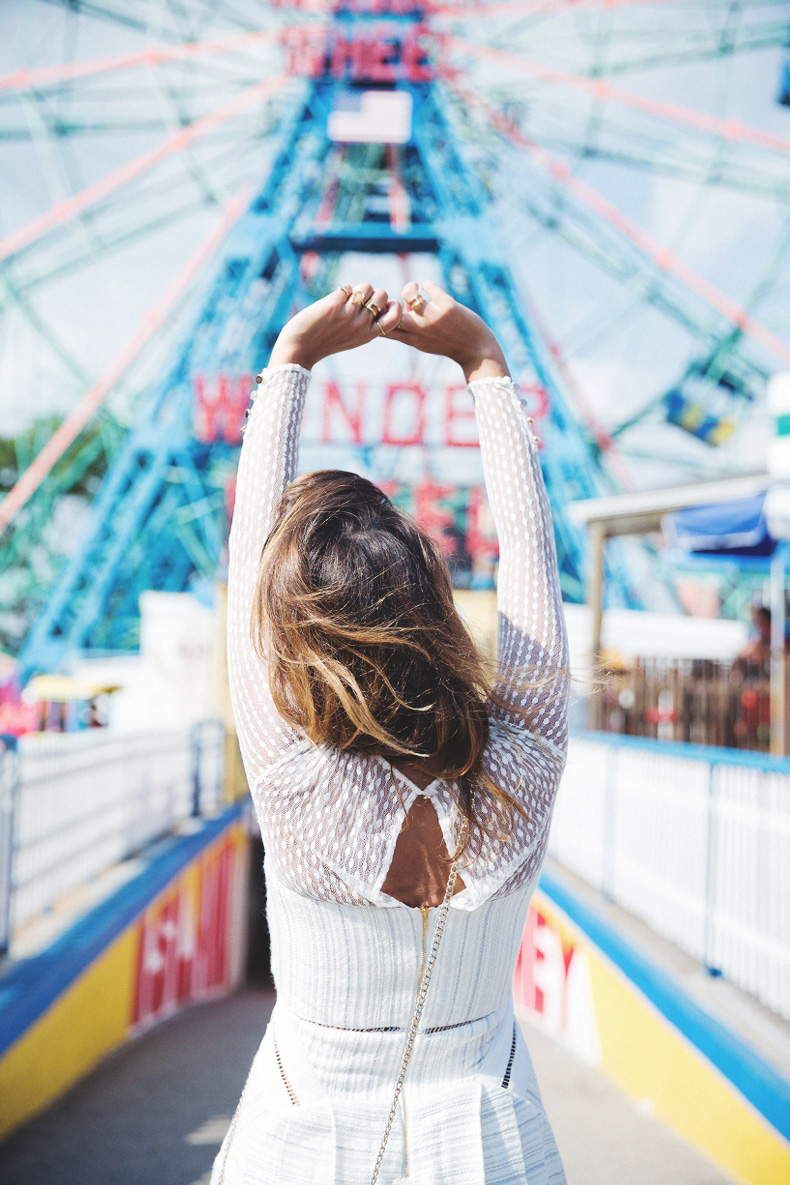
x=346 y=956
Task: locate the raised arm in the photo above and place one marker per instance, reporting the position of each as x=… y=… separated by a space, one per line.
x=532 y=642
x=531 y=635
x=269 y=456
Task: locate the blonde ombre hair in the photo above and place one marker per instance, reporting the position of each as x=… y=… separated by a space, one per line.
x=354 y=614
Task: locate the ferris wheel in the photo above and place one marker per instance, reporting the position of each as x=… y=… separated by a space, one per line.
x=634 y=153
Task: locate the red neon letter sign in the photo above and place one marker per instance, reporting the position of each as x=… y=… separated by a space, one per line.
x=388 y=433
x=353 y=417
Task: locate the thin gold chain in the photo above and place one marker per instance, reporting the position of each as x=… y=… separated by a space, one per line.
x=422 y=995
x=425 y=911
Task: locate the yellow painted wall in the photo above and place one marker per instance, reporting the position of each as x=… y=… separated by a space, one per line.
x=95 y=1014
x=650 y=1059
x=83 y=1025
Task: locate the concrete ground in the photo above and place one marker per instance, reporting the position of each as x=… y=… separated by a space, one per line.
x=605 y=1138
x=155 y=1112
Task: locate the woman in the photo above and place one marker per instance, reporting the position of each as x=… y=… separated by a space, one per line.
x=389 y=777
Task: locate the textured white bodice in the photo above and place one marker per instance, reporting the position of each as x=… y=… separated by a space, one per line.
x=358 y=969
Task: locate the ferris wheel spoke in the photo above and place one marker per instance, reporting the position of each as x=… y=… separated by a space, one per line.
x=616 y=139
x=685 y=44
x=641 y=290
x=14 y=298
x=65 y=212
x=159 y=206
x=727 y=15
x=664 y=260
x=224 y=8
x=702 y=170
x=639 y=278
x=153 y=321
x=628 y=269
x=606 y=249
x=604 y=92
x=769 y=36
x=52 y=163
x=126 y=106
x=698 y=169
x=118 y=13
x=602 y=438
x=176 y=116
x=43 y=76
x=484 y=10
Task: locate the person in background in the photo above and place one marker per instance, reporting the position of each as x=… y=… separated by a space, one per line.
x=751 y=671
x=754 y=660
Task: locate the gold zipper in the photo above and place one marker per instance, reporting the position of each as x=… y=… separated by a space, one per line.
x=425 y=911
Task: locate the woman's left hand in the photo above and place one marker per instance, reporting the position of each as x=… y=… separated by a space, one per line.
x=340 y=321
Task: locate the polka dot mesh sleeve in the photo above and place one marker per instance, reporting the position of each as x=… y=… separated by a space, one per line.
x=526 y=753
x=532 y=642
x=330 y=820
x=267 y=464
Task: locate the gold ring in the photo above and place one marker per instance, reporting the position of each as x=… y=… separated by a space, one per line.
x=347 y=289
x=415 y=301
x=358 y=292
x=383 y=332
x=373 y=308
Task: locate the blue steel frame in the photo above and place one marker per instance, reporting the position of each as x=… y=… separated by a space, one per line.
x=159 y=519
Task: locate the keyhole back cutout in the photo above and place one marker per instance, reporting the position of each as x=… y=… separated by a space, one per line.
x=421 y=863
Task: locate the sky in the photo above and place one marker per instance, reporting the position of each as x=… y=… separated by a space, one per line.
x=620 y=352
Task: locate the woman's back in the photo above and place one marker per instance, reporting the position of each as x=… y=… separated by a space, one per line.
x=357 y=850
x=331 y=819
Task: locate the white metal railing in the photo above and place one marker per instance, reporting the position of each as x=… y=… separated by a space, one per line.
x=694 y=840
x=77 y=803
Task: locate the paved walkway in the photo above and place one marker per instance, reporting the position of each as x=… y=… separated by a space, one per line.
x=604 y=1138
x=155 y=1112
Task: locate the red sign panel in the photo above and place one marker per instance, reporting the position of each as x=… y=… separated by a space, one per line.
x=186 y=938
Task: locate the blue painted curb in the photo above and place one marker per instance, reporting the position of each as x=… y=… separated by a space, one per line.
x=755 y=1078
x=32 y=985
x=708 y=753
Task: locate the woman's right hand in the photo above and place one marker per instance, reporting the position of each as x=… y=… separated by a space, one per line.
x=342 y=320
x=441 y=325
